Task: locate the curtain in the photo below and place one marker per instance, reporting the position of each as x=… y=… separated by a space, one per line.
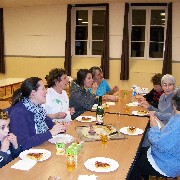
x=105 y=51
x=67 y=62
x=124 y=75
x=2 y=62
x=167 y=63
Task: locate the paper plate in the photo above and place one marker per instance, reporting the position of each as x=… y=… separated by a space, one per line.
x=90 y=164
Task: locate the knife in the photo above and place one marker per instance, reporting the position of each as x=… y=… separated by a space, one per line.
x=113 y=133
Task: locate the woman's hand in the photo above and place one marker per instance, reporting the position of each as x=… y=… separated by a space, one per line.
x=57 y=128
x=13 y=139
x=110 y=98
x=5 y=144
x=60 y=115
x=94 y=87
x=145 y=104
x=153 y=121
x=72 y=111
x=151 y=113
x=140 y=98
x=115 y=89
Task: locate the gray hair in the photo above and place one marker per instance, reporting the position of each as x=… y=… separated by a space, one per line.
x=168 y=77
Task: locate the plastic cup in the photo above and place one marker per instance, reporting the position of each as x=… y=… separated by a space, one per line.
x=127 y=109
x=104 y=138
x=70 y=162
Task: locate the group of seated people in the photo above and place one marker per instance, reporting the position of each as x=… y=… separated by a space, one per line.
x=35 y=111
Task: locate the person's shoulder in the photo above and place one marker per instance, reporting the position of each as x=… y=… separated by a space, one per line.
x=50 y=91
x=16 y=108
x=104 y=81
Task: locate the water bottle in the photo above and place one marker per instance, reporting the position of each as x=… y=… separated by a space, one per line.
x=133 y=95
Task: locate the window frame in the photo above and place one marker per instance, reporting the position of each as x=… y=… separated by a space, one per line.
x=73 y=28
x=147 y=30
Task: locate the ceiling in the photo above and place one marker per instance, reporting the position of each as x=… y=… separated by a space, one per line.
x=26 y=3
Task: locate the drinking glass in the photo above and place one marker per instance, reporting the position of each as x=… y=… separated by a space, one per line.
x=103 y=137
x=127 y=109
x=70 y=162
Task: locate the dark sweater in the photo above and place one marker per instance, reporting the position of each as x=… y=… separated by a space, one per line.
x=153 y=97
x=81 y=99
x=23 y=126
x=6 y=158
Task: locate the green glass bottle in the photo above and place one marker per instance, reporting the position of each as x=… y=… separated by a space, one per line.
x=99 y=115
x=100 y=101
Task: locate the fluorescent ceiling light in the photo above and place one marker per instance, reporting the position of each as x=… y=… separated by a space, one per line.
x=84 y=22
x=79 y=19
x=162 y=19
x=162 y=14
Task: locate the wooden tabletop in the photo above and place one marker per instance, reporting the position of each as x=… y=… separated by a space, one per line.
x=123 y=151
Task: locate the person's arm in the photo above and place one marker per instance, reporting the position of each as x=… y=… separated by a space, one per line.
x=164 y=117
x=22 y=125
x=149 y=96
x=3 y=158
x=15 y=152
x=166 y=139
x=108 y=88
x=84 y=100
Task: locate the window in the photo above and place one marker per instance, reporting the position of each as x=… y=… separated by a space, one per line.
x=147 y=30
x=87 y=30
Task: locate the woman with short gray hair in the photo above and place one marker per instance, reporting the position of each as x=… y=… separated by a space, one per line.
x=165 y=107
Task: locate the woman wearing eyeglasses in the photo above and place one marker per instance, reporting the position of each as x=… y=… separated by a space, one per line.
x=165 y=107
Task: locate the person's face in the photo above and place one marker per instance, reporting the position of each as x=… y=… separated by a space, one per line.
x=98 y=76
x=158 y=88
x=4 y=128
x=63 y=83
x=88 y=81
x=39 y=96
x=168 y=87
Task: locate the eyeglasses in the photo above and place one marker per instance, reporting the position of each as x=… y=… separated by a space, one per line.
x=168 y=85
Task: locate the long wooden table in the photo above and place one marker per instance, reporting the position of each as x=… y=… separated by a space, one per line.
x=123 y=151
x=10 y=82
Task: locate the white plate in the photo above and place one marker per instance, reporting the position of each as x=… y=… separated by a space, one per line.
x=90 y=164
x=133 y=104
x=110 y=103
x=62 y=138
x=79 y=118
x=95 y=106
x=125 y=131
x=46 y=154
x=138 y=114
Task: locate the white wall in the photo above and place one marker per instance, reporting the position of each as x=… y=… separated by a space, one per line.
x=36 y=31
x=176 y=32
x=116 y=24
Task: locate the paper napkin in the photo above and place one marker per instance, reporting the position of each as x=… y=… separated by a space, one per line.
x=87 y=177
x=24 y=165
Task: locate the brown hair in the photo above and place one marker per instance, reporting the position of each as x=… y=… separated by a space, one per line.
x=156 y=79
x=54 y=75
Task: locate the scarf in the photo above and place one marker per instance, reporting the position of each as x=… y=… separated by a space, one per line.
x=39 y=115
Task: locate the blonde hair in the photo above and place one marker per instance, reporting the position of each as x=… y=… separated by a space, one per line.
x=3 y=114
